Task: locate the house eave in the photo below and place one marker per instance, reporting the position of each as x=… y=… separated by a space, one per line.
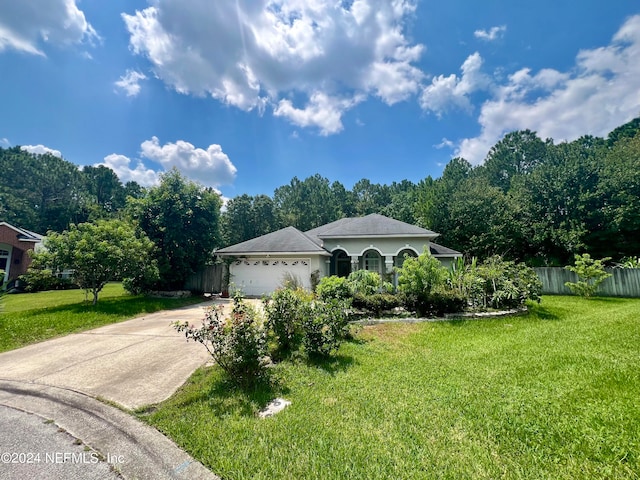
x=428 y=236
x=270 y=254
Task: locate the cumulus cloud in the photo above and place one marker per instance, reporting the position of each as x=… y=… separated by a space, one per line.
x=256 y=55
x=41 y=150
x=322 y=111
x=25 y=25
x=453 y=91
x=492 y=34
x=211 y=167
x=130 y=82
x=596 y=96
x=128 y=170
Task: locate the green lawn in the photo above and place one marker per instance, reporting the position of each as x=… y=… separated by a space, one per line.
x=33 y=317
x=553 y=394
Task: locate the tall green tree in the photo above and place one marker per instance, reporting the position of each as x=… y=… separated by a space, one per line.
x=41 y=192
x=182 y=218
x=619 y=192
x=481 y=221
x=518 y=153
x=306 y=204
x=98 y=253
x=560 y=213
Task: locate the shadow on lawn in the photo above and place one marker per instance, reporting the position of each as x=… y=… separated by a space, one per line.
x=120 y=306
x=333 y=364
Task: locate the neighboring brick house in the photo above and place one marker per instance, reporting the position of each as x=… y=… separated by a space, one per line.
x=15 y=242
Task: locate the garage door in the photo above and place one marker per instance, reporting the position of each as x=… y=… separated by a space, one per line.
x=259 y=276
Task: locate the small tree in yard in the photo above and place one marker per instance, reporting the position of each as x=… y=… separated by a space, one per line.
x=237 y=344
x=97 y=253
x=590 y=273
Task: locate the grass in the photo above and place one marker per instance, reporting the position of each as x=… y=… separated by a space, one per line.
x=33 y=317
x=550 y=394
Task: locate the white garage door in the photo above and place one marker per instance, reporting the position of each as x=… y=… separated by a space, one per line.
x=259 y=276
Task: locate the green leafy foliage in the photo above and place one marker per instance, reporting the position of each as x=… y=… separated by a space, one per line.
x=420 y=275
x=591 y=274
x=325 y=327
x=181 y=218
x=629 y=262
x=97 y=253
x=285 y=312
x=237 y=344
x=333 y=287
x=43 y=279
x=377 y=303
x=364 y=282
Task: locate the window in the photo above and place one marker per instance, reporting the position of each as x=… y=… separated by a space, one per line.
x=372 y=261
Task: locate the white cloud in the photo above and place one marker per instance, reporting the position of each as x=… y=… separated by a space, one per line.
x=453 y=91
x=444 y=143
x=41 y=150
x=26 y=25
x=5 y=141
x=492 y=34
x=322 y=111
x=599 y=94
x=254 y=55
x=122 y=166
x=210 y=167
x=130 y=82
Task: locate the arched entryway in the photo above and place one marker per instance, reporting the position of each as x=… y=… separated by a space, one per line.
x=340 y=263
x=402 y=254
x=372 y=261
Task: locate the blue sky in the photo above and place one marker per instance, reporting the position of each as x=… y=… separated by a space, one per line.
x=243 y=95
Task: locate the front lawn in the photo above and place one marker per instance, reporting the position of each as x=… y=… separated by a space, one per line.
x=551 y=394
x=33 y=317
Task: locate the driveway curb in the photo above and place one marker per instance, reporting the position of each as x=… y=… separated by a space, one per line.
x=132 y=448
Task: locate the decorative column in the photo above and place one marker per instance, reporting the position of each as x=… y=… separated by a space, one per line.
x=355 y=264
x=388 y=263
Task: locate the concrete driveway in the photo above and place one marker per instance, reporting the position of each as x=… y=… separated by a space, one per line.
x=133 y=363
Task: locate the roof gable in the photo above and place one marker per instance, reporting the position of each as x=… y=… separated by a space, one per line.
x=23 y=234
x=287 y=240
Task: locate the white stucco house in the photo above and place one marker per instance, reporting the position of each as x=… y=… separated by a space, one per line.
x=374 y=242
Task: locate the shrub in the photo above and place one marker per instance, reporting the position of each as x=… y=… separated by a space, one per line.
x=629 y=262
x=285 y=311
x=435 y=303
x=325 y=326
x=364 y=282
x=333 y=287
x=420 y=275
x=502 y=284
x=377 y=303
x=290 y=281
x=590 y=275
x=237 y=344
x=43 y=279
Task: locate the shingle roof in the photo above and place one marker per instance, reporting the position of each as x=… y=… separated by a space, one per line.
x=373 y=225
x=24 y=234
x=436 y=249
x=287 y=240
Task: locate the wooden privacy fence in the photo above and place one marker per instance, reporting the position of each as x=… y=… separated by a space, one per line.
x=625 y=282
x=209 y=280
